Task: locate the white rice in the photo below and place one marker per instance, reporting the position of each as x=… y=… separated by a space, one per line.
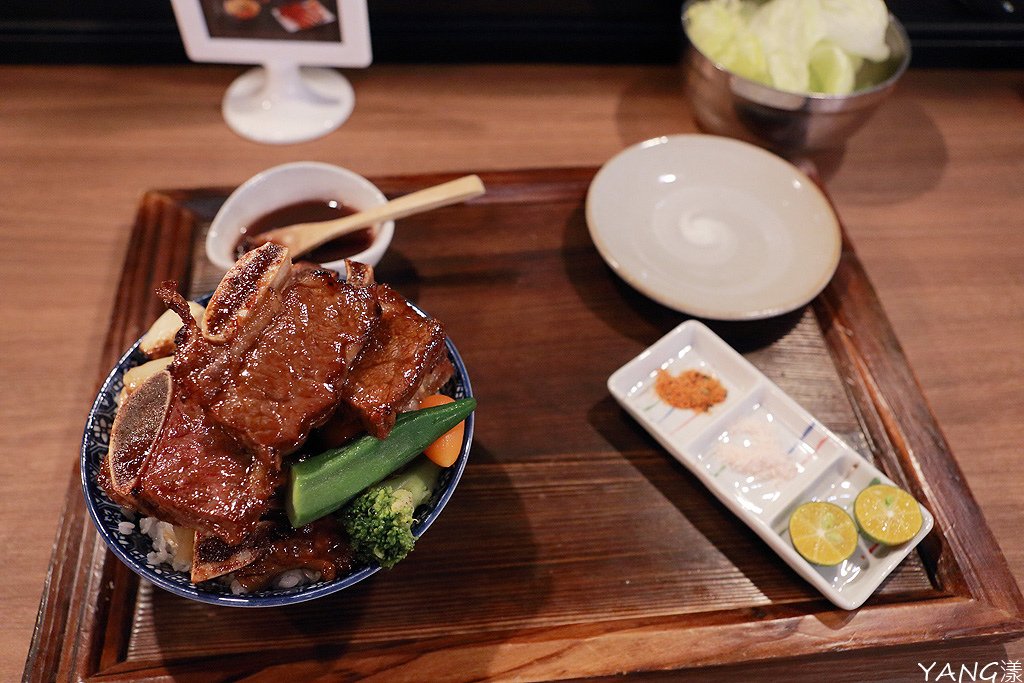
x=170 y=545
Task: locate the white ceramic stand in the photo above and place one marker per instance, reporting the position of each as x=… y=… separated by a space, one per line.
x=280 y=103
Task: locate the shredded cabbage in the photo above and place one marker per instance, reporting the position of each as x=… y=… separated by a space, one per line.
x=789 y=29
x=795 y=45
x=831 y=69
x=857 y=26
x=720 y=29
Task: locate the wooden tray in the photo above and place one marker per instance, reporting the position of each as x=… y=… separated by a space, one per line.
x=574 y=545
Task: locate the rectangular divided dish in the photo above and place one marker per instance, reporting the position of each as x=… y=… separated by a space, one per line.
x=760 y=453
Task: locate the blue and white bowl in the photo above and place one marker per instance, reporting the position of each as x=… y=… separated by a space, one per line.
x=133 y=548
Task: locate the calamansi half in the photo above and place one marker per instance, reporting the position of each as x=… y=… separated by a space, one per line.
x=887 y=515
x=823 y=533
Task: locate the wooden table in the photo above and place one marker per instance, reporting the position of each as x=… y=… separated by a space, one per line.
x=931 y=193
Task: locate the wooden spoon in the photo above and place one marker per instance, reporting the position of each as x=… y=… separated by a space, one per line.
x=304 y=237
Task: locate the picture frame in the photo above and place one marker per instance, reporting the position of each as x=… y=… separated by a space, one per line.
x=211 y=37
x=292 y=97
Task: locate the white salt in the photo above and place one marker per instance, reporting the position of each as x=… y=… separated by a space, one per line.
x=751 y=447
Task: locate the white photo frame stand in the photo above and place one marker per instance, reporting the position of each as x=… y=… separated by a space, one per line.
x=290 y=98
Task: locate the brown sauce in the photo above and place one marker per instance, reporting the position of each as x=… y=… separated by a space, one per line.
x=310 y=211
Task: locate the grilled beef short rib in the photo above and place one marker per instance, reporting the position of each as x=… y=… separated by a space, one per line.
x=280 y=350
x=272 y=359
x=404 y=360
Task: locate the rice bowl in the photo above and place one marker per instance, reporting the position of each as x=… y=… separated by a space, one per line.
x=151 y=551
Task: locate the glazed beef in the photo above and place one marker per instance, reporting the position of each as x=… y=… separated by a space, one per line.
x=213 y=557
x=288 y=382
x=170 y=460
x=273 y=356
x=199 y=477
x=201 y=447
x=404 y=360
x=320 y=546
x=272 y=548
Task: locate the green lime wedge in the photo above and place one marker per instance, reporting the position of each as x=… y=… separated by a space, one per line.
x=823 y=533
x=887 y=515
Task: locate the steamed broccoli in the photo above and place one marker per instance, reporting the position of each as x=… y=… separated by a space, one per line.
x=379 y=521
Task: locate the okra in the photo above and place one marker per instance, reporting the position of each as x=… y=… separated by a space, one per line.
x=323 y=483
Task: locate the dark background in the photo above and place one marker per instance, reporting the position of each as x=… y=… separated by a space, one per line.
x=982 y=33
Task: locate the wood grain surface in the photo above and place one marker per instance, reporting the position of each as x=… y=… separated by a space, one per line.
x=930 y=192
x=574 y=533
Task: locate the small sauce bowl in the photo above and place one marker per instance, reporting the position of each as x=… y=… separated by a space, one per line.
x=289 y=184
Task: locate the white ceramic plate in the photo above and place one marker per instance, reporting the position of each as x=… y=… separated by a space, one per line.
x=805 y=461
x=713 y=227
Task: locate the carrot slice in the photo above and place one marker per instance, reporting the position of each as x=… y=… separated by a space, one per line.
x=445 y=450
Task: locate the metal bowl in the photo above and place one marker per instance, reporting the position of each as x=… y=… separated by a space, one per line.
x=787 y=122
